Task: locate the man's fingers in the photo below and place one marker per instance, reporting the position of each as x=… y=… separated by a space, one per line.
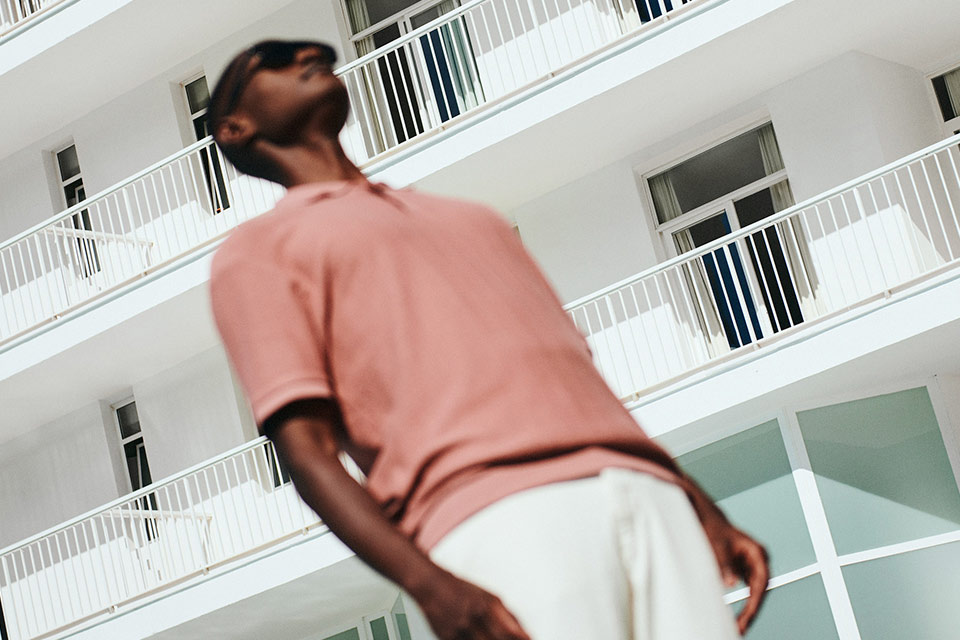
x=756 y=573
x=504 y=623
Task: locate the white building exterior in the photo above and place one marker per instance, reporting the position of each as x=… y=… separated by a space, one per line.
x=751 y=209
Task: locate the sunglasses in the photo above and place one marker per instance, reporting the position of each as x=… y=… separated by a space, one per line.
x=272 y=54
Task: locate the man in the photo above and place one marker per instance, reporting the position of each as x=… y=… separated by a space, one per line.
x=413 y=332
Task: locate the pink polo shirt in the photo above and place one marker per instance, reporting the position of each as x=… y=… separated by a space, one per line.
x=460 y=378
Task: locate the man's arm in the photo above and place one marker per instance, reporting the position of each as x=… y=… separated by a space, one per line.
x=739 y=555
x=304 y=434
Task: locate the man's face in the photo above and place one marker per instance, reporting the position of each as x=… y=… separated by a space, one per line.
x=293 y=96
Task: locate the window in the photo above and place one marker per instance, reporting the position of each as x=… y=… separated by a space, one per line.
x=434 y=79
x=128 y=421
x=197 y=96
x=857 y=502
x=729 y=186
x=653 y=9
x=84 y=248
x=947 y=90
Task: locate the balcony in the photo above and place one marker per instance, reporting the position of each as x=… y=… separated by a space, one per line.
x=187 y=526
x=858 y=244
x=848 y=247
x=15 y=13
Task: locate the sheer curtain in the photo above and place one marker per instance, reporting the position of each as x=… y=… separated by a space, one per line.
x=360 y=20
x=705 y=322
x=462 y=67
x=772 y=163
x=797 y=253
x=952 y=80
x=665 y=197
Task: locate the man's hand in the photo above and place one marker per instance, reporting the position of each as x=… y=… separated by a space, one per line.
x=738 y=555
x=459 y=610
x=740 y=558
x=304 y=435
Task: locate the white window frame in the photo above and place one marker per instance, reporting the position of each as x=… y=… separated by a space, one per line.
x=401 y=18
x=62 y=183
x=950 y=127
x=828 y=563
x=124 y=441
x=665 y=230
x=192 y=117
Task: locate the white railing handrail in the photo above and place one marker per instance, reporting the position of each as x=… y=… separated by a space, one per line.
x=24 y=23
x=151 y=488
x=406 y=38
x=765 y=222
x=86 y=234
x=86 y=204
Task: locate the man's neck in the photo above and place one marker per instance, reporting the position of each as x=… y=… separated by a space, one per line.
x=319 y=160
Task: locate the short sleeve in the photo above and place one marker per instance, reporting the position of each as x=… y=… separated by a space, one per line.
x=263 y=313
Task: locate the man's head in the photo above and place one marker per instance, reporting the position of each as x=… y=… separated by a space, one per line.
x=273 y=95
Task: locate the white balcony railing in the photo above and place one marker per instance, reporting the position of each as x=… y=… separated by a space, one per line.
x=133 y=228
x=200 y=519
x=14 y=13
x=848 y=247
x=481 y=52
x=475 y=55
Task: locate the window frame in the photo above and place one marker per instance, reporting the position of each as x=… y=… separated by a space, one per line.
x=666 y=230
x=949 y=127
x=185 y=103
x=124 y=441
x=401 y=18
x=63 y=183
x=828 y=563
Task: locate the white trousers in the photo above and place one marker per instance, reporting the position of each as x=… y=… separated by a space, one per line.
x=619 y=556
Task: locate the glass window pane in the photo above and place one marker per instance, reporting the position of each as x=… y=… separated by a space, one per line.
x=881 y=469
x=717 y=171
x=198 y=95
x=68 y=162
x=402 y=627
x=913 y=595
x=74 y=193
x=128 y=419
x=349 y=634
x=378 y=10
x=378 y=628
x=796 y=611
x=947 y=88
x=749 y=476
x=201 y=127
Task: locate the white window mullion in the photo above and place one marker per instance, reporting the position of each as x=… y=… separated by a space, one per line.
x=818 y=527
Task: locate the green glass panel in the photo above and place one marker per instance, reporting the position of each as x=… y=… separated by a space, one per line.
x=796 y=611
x=912 y=595
x=378 y=628
x=402 y=627
x=881 y=469
x=748 y=474
x=349 y=634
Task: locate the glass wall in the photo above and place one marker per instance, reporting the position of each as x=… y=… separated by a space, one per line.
x=885 y=483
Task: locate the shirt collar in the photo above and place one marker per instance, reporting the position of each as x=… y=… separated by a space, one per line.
x=313 y=191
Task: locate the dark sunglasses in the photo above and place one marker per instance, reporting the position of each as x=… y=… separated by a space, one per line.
x=272 y=54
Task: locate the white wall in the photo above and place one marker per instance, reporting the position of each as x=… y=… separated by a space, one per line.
x=845 y=118
x=189 y=413
x=588 y=233
x=140 y=127
x=54 y=473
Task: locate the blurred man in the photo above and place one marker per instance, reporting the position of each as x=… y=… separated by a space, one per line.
x=508 y=491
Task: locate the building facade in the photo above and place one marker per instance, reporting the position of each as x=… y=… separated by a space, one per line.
x=750 y=209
